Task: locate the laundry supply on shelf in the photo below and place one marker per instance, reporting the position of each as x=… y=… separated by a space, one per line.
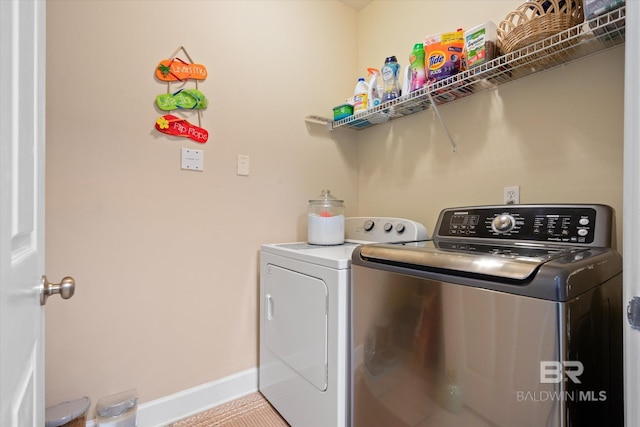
x=480 y=44
x=360 y=96
x=375 y=89
x=341 y=111
x=390 y=72
x=593 y=8
x=406 y=81
x=444 y=55
x=418 y=73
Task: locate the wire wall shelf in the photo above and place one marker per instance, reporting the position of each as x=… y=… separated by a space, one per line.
x=593 y=36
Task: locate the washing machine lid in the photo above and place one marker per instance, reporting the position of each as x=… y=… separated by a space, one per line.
x=553 y=251
x=499 y=262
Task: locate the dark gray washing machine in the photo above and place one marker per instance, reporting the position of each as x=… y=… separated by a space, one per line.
x=510 y=316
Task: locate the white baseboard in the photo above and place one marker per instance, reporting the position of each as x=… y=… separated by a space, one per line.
x=168 y=409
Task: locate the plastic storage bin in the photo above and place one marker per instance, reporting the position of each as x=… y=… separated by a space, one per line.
x=593 y=8
x=342 y=111
x=68 y=414
x=481 y=44
x=117 y=410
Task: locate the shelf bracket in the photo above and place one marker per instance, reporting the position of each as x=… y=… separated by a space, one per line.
x=446 y=129
x=319 y=120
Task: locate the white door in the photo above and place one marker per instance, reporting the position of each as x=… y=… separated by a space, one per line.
x=22 y=106
x=631 y=237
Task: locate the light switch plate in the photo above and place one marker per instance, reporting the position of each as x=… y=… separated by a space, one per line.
x=192 y=159
x=242 y=166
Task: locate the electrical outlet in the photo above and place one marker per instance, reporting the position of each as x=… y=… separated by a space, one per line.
x=511 y=195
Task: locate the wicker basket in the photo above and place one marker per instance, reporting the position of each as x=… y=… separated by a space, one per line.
x=536 y=20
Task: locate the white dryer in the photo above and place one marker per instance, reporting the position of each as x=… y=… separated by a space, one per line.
x=304 y=321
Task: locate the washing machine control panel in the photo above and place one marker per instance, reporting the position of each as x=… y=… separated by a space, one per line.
x=564 y=224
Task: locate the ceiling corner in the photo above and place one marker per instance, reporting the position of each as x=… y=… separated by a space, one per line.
x=356 y=4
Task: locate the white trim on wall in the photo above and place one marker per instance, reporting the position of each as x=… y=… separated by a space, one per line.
x=631 y=198
x=189 y=402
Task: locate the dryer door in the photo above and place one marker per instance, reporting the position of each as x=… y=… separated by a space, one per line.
x=296 y=322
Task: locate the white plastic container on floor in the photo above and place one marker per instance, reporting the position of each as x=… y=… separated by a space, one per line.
x=68 y=414
x=118 y=410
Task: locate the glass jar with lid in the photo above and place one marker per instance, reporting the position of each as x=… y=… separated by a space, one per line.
x=326 y=220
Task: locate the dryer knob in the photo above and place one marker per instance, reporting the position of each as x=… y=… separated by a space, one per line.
x=388 y=227
x=368 y=225
x=400 y=228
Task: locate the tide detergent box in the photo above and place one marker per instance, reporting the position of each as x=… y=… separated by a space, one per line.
x=444 y=55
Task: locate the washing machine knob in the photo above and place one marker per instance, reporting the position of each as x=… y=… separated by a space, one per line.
x=368 y=225
x=503 y=223
x=388 y=227
x=400 y=228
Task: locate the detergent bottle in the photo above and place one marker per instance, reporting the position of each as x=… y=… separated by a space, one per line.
x=390 y=71
x=418 y=72
x=360 y=96
x=406 y=83
x=375 y=90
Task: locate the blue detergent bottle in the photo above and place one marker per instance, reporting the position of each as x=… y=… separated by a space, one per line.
x=390 y=71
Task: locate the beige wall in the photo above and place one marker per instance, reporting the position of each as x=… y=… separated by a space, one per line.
x=557 y=134
x=166 y=260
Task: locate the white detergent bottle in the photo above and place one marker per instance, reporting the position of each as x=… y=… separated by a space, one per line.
x=360 y=96
x=375 y=90
x=406 y=84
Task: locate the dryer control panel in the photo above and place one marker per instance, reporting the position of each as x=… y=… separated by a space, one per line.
x=565 y=224
x=383 y=229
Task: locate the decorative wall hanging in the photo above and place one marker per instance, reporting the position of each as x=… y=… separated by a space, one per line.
x=171 y=70
x=176 y=70
x=188 y=99
x=176 y=126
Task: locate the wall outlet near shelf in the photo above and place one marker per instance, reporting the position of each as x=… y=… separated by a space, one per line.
x=511 y=195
